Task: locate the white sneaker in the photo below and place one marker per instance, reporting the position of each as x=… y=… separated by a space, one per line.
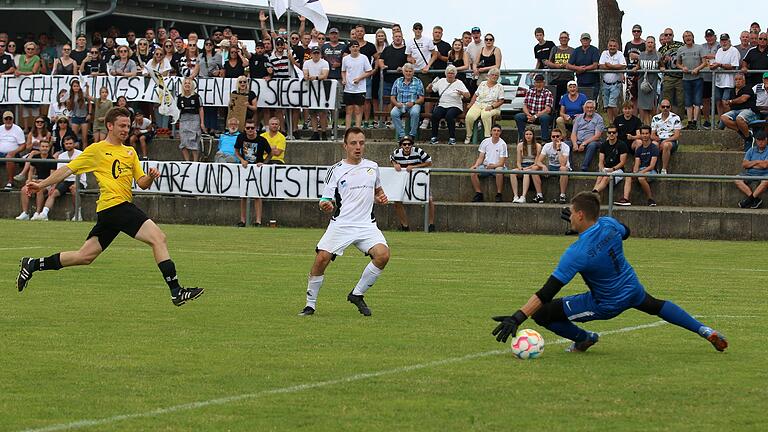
x=78 y=217
x=663 y=171
x=23 y=216
x=467 y=140
x=425 y=124
x=39 y=217
x=522 y=199
x=516 y=199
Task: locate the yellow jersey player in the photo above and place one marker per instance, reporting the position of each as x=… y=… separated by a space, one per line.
x=115 y=167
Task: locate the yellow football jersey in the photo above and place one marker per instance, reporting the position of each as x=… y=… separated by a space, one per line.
x=115 y=168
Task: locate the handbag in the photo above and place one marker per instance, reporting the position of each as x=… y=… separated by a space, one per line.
x=646 y=86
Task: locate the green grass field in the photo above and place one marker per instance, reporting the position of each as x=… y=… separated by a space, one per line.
x=102 y=348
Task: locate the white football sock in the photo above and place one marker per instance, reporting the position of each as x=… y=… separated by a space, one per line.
x=45 y=211
x=368 y=278
x=313 y=288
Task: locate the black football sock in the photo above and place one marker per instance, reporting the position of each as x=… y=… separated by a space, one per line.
x=52 y=262
x=168 y=269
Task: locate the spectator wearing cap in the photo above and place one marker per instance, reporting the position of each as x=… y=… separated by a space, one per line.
x=12 y=142
x=451 y=92
x=355 y=69
x=485 y=104
x=475 y=46
x=690 y=59
x=761 y=96
x=333 y=51
x=316 y=69
x=537 y=108
x=408 y=157
x=756 y=59
x=571 y=105
x=421 y=52
x=584 y=60
x=755 y=163
x=612 y=59
x=406 y=99
x=558 y=59
x=632 y=50
x=711 y=46
x=743 y=110
x=727 y=58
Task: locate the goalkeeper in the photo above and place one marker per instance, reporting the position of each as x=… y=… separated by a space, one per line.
x=598 y=255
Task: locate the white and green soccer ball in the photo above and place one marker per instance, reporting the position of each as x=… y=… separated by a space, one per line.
x=527 y=344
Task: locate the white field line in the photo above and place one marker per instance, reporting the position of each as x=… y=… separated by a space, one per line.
x=302 y=387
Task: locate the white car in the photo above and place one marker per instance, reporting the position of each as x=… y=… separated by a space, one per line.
x=515 y=87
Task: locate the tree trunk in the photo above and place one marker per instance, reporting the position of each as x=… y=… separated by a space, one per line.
x=609 y=18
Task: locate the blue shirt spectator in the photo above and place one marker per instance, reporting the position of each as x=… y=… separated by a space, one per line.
x=572 y=108
x=755 y=154
x=585 y=55
x=408 y=92
x=646 y=154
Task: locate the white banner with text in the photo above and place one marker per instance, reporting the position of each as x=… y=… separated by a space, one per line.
x=299 y=182
x=274 y=93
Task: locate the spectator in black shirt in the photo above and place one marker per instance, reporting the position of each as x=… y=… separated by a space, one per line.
x=613 y=156
x=252 y=148
x=742 y=110
x=628 y=126
x=756 y=59
x=259 y=64
x=392 y=59
x=191 y=120
x=543 y=48
x=93 y=65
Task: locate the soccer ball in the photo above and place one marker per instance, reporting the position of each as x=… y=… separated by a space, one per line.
x=527 y=344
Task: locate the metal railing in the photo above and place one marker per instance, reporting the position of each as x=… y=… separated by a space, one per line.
x=713 y=110
x=611 y=183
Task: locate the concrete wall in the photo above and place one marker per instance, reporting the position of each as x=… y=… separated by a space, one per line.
x=659 y=222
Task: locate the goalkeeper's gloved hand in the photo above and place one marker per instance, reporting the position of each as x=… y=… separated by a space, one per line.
x=565 y=214
x=508 y=325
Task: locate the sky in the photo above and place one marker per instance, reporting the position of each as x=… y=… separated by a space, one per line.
x=512 y=22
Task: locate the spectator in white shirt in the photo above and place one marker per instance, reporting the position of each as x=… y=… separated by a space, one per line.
x=493 y=155
x=612 y=59
x=727 y=58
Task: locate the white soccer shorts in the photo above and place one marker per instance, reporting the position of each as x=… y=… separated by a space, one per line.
x=337 y=238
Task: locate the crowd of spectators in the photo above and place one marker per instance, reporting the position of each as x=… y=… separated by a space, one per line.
x=451 y=83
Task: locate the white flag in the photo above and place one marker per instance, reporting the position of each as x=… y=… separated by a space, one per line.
x=312 y=10
x=280 y=7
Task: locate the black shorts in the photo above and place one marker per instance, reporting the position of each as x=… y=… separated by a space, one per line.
x=354 y=98
x=125 y=217
x=63 y=187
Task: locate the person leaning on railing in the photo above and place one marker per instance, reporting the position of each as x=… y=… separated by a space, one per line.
x=485 y=104
x=451 y=92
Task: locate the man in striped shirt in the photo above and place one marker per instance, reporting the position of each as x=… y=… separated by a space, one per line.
x=407 y=157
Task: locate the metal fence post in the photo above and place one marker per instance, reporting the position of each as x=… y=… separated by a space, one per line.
x=77 y=196
x=610 y=193
x=336 y=111
x=247 y=211
x=713 y=103
x=426 y=216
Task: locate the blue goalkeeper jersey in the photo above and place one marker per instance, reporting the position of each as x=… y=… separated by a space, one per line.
x=598 y=255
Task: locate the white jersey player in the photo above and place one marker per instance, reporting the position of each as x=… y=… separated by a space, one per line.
x=351 y=189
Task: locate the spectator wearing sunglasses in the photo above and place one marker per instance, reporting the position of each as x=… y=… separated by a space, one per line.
x=665 y=128
x=123 y=65
x=94 y=65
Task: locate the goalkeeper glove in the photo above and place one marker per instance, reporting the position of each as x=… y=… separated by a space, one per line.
x=508 y=325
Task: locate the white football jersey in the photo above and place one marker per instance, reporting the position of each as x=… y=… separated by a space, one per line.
x=352 y=187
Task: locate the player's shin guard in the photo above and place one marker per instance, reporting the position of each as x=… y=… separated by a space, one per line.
x=367 y=279
x=168 y=269
x=313 y=289
x=674 y=314
x=52 y=262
